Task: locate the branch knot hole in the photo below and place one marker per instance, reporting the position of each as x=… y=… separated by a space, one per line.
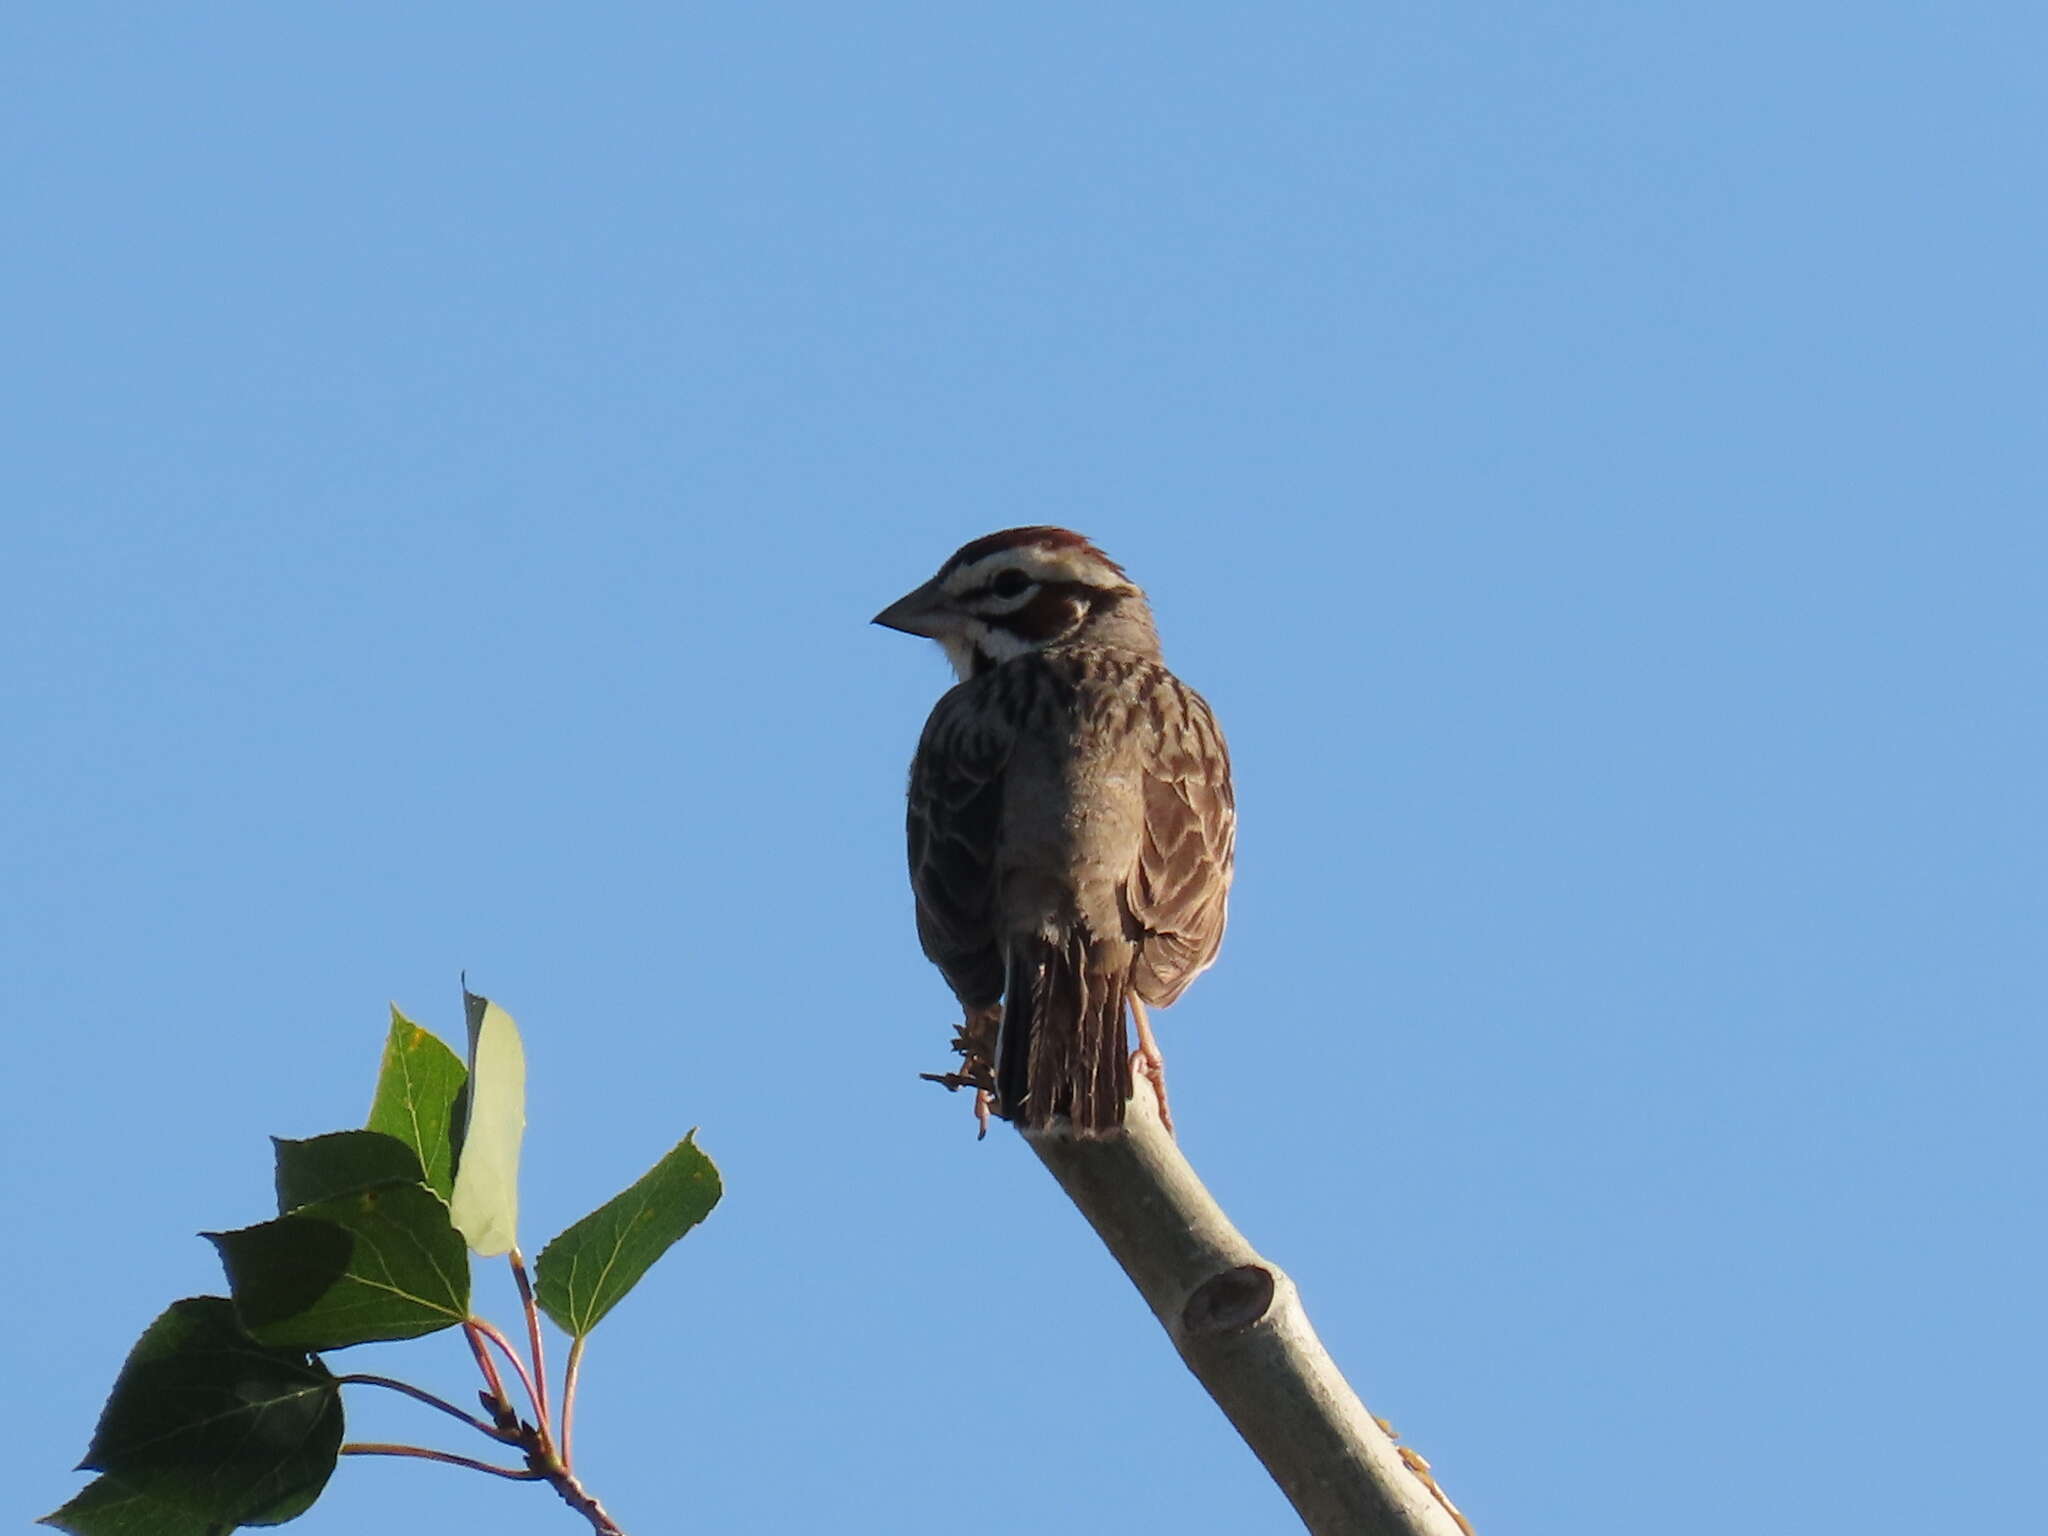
x=1229 y=1302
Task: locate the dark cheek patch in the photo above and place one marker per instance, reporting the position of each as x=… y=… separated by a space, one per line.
x=1054 y=612
x=1046 y=617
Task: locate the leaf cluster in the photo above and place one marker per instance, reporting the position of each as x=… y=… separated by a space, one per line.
x=224 y=1413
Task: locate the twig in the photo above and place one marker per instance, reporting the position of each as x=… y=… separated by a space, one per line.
x=578 y=1498
x=543 y=1464
x=1239 y=1326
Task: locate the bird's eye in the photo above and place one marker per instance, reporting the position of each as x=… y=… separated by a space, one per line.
x=1009 y=583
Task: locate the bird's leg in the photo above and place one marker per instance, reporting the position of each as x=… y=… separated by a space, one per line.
x=975 y=1040
x=1147 y=1060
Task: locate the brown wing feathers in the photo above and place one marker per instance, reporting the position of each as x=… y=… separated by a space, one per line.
x=1178 y=893
x=956 y=809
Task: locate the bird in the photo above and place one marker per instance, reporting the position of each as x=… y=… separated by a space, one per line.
x=1072 y=826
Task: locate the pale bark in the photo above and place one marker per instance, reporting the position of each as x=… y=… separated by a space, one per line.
x=1239 y=1325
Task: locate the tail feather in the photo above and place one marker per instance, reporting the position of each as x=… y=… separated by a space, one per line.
x=1063 y=1049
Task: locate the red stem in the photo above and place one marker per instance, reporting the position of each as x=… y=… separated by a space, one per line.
x=540 y=1375
x=378 y=1448
x=570 y=1373
x=501 y=1406
x=540 y=1412
x=425 y=1397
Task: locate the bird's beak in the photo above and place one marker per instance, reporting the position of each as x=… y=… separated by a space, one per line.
x=922 y=612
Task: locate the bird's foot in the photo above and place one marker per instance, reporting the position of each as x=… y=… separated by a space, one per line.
x=1146 y=1062
x=975 y=1040
x=1153 y=1070
x=978 y=1077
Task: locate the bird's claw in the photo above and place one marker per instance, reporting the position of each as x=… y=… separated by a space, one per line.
x=975 y=1040
x=1153 y=1070
x=1148 y=1063
x=953 y=1082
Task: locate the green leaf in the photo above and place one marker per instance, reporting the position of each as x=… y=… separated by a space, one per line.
x=288 y=1507
x=105 y=1507
x=485 y=1205
x=343 y=1163
x=382 y=1263
x=416 y=1092
x=586 y=1271
x=109 y=1507
x=208 y=1421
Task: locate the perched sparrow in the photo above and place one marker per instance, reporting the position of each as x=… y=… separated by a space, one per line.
x=1071 y=823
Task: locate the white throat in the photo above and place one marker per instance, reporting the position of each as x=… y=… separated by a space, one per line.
x=980 y=640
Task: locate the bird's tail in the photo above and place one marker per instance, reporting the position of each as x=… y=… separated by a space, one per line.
x=1063 y=1049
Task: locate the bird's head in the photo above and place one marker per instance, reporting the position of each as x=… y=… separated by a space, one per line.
x=1024 y=589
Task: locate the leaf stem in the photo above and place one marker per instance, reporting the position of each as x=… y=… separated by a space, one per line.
x=499 y=1404
x=525 y=1283
x=379 y=1448
x=425 y=1397
x=570 y=1374
x=533 y=1392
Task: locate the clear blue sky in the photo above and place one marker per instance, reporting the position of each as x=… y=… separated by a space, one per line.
x=1590 y=455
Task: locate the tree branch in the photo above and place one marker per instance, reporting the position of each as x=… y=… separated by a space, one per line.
x=1239 y=1326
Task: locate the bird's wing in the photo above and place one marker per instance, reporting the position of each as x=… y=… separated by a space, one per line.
x=1181 y=885
x=956 y=810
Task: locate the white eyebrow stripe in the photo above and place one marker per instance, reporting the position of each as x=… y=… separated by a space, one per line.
x=998 y=607
x=1041 y=565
